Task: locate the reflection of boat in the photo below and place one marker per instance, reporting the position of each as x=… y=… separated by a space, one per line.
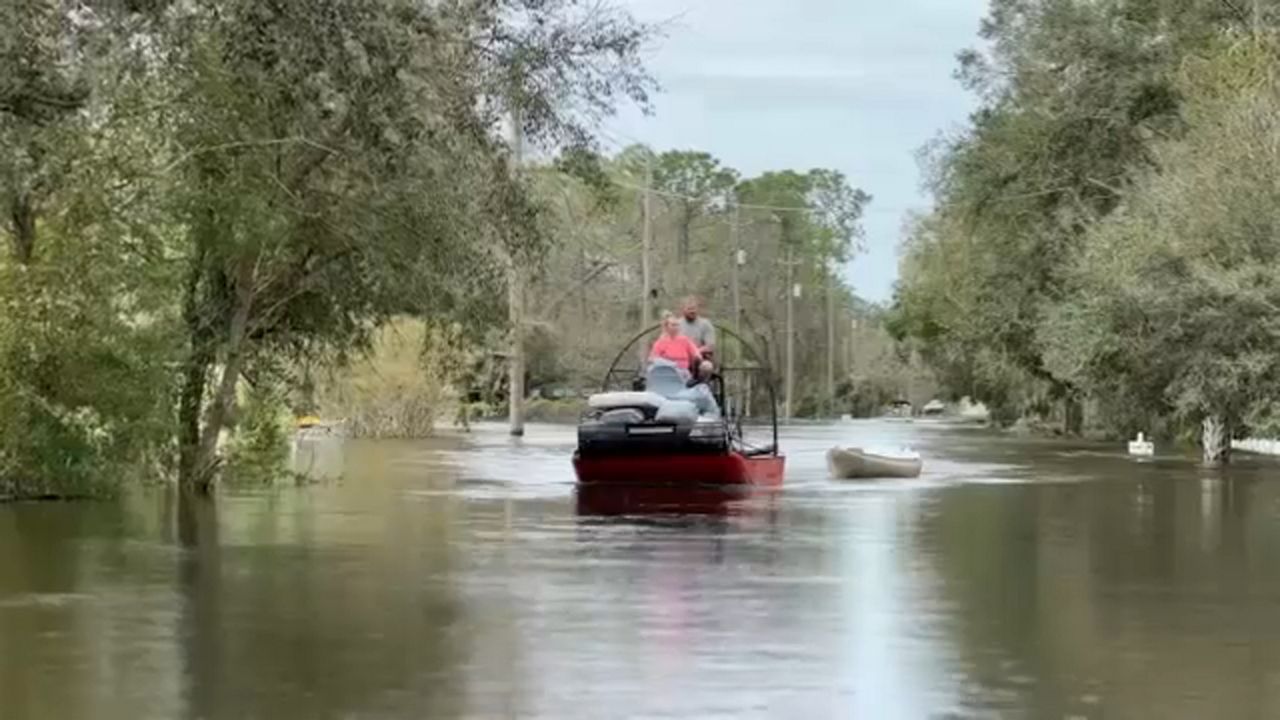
x=648 y=442
x=855 y=463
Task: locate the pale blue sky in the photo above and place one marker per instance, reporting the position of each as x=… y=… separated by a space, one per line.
x=854 y=85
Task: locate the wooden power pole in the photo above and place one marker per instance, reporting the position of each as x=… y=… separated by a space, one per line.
x=831 y=345
x=737 y=268
x=734 y=359
x=646 y=246
x=515 y=300
x=789 y=383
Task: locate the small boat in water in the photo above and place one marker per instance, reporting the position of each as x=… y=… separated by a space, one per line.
x=858 y=464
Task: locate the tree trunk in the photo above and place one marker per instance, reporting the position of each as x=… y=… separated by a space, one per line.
x=683 y=250
x=682 y=247
x=23 y=215
x=195 y=373
x=233 y=363
x=1073 y=416
x=1216 y=440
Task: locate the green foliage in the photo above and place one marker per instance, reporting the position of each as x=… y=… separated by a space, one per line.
x=83 y=407
x=1079 y=100
x=200 y=192
x=881 y=371
x=690 y=182
x=258 y=452
x=401 y=385
x=1178 y=290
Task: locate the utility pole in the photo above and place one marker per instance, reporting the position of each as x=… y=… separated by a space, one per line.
x=646 y=243
x=849 y=340
x=515 y=298
x=735 y=359
x=1257 y=19
x=831 y=345
x=791 y=338
x=738 y=259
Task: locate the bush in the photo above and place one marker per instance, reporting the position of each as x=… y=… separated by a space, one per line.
x=259 y=449
x=400 y=388
x=83 y=390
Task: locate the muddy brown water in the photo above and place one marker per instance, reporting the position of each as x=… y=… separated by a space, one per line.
x=456 y=579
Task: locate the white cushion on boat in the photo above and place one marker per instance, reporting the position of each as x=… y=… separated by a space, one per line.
x=677 y=411
x=611 y=400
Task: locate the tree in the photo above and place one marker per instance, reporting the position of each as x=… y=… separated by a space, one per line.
x=336 y=154
x=259 y=183
x=41 y=96
x=86 y=305
x=1072 y=94
x=691 y=182
x=1178 y=294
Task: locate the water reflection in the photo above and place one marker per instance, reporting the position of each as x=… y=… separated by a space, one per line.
x=1142 y=599
x=1015 y=578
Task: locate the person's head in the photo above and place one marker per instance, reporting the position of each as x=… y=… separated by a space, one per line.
x=689 y=308
x=670 y=324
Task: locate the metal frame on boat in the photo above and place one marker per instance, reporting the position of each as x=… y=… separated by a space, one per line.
x=701 y=471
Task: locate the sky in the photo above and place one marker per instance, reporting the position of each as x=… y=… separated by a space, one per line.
x=854 y=85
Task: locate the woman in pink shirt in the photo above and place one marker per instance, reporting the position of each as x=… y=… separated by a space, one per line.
x=677 y=348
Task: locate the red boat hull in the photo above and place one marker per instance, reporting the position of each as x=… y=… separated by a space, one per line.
x=683 y=483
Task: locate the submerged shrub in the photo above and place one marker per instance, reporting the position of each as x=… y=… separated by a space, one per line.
x=398 y=389
x=258 y=451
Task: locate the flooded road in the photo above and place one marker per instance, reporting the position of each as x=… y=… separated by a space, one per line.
x=455 y=579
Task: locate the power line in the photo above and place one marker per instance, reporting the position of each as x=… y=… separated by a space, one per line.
x=615 y=142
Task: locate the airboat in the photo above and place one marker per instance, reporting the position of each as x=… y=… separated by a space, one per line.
x=652 y=440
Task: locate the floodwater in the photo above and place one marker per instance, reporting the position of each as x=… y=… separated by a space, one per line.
x=456 y=579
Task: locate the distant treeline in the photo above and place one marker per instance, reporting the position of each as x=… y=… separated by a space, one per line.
x=711 y=230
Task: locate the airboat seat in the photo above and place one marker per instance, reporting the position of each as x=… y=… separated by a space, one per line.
x=668 y=380
x=665 y=378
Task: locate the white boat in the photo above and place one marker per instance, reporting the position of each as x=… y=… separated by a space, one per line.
x=1142 y=447
x=856 y=463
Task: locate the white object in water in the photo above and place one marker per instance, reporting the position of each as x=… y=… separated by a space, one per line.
x=858 y=464
x=1142 y=447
